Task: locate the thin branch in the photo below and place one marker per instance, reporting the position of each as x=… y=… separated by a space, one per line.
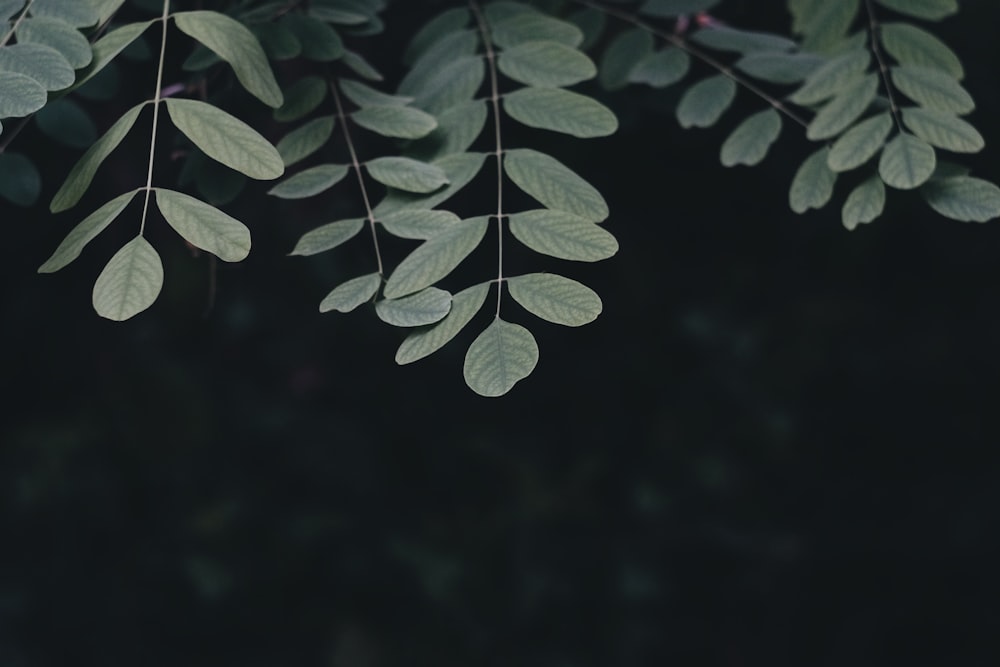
x=484 y=29
x=156 y=115
x=883 y=68
x=13 y=28
x=356 y=165
x=694 y=52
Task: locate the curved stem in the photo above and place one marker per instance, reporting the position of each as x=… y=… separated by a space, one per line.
x=694 y=52
x=883 y=68
x=156 y=116
x=484 y=29
x=356 y=165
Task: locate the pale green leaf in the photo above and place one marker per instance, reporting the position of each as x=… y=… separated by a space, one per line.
x=833 y=77
x=456 y=82
x=303 y=141
x=563 y=235
x=233 y=42
x=357 y=64
x=776 y=67
x=351 y=294
x=749 y=142
x=943 y=130
x=85 y=232
x=108 y=47
x=328 y=236
x=20 y=95
x=674 y=8
x=395 y=121
x=554 y=184
x=460 y=169
x=309 y=182
x=9 y=8
x=83 y=172
x=74 y=12
x=864 y=204
x=933 y=89
x=445 y=23
x=859 y=144
x=661 y=68
x=436 y=257
x=531 y=27
x=364 y=95
x=722 y=38
x=703 y=104
x=426 y=341
x=560 y=111
x=622 y=55
x=911 y=45
x=812 y=185
x=963 y=198
x=204 y=226
x=500 y=357
x=407 y=174
x=40 y=62
x=418 y=224
x=106 y=9
x=319 y=41
x=416 y=310
x=546 y=64
x=65 y=121
x=457 y=129
x=931 y=10
x=225 y=138
x=555 y=298
x=56 y=34
x=907 y=162
x=130 y=282
x=301 y=98
x=20 y=181
x=843 y=110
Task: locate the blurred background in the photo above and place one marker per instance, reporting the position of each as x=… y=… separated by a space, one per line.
x=777 y=446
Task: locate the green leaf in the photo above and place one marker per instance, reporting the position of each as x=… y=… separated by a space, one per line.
x=749 y=142
x=500 y=357
x=75 y=13
x=436 y=257
x=560 y=111
x=833 y=77
x=303 y=141
x=674 y=8
x=823 y=23
x=426 y=341
x=963 y=198
x=501 y=10
x=85 y=232
x=351 y=294
x=843 y=110
x=319 y=41
x=907 y=162
x=406 y=174
x=931 y=10
x=42 y=63
x=357 y=64
x=532 y=27
x=20 y=95
x=418 y=224
x=779 y=68
x=592 y=23
x=933 y=89
x=309 y=182
x=458 y=128
x=812 y=185
x=106 y=9
x=445 y=23
x=301 y=98
x=722 y=38
x=328 y=236
x=563 y=235
x=108 y=47
x=555 y=298
x=63 y=120
x=460 y=169
x=416 y=310
x=234 y=43
x=911 y=45
x=277 y=40
x=130 y=282
x=56 y=34
x=456 y=46
x=554 y=184
x=225 y=138
x=364 y=95
x=546 y=64
x=661 y=68
x=395 y=121
x=204 y=226
x=864 y=204
x=20 y=181
x=860 y=143
x=943 y=130
x=622 y=56
x=456 y=82
x=83 y=172
x=703 y=104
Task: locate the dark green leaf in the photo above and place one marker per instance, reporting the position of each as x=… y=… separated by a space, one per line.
x=911 y=45
x=58 y=35
x=833 y=77
x=364 y=95
x=460 y=169
x=933 y=89
x=932 y=10
x=749 y=142
x=407 y=174
x=622 y=55
x=42 y=63
x=963 y=198
x=458 y=128
x=63 y=120
x=418 y=224
x=20 y=181
x=722 y=38
x=301 y=98
x=533 y=26
x=319 y=41
x=812 y=185
x=864 y=204
x=703 y=104
x=843 y=110
x=661 y=68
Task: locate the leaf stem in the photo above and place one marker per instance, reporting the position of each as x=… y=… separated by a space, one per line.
x=695 y=52
x=356 y=165
x=484 y=29
x=13 y=28
x=156 y=116
x=883 y=69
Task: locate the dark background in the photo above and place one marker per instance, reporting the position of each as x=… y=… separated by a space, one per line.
x=777 y=446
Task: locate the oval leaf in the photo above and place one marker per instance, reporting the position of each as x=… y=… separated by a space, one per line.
x=58 y=35
x=407 y=174
x=622 y=55
x=860 y=143
x=436 y=258
x=204 y=226
x=911 y=45
x=500 y=357
x=812 y=186
x=563 y=235
x=85 y=232
x=560 y=111
x=20 y=95
x=546 y=64
x=555 y=298
x=328 y=236
x=841 y=112
x=460 y=169
x=534 y=26
x=749 y=142
x=832 y=77
x=943 y=130
x=309 y=182
x=932 y=10
x=933 y=89
x=963 y=198
x=42 y=63
x=303 y=141
x=301 y=98
x=864 y=204
x=661 y=69
x=424 y=342
x=416 y=310
x=907 y=162
x=395 y=121
x=418 y=224
x=130 y=282
x=554 y=184
x=703 y=103
x=20 y=181
x=348 y=296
